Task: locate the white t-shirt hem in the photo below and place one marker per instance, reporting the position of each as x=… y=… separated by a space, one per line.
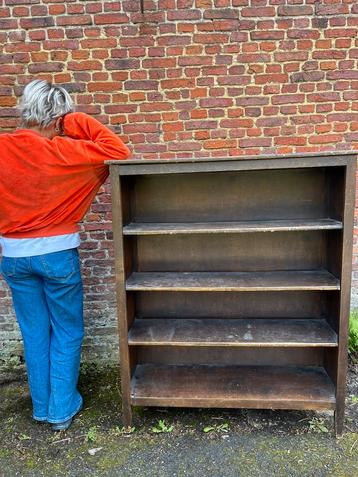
x=30 y=247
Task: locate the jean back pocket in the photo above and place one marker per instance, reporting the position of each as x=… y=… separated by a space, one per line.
x=60 y=265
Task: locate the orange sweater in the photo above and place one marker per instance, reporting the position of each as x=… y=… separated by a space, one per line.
x=47 y=185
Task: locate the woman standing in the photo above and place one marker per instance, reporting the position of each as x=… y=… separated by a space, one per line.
x=50 y=171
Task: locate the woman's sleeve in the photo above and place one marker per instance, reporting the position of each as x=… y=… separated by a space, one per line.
x=94 y=143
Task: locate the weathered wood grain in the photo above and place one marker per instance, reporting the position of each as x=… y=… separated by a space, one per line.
x=231 y=281
x=169 y=228
x=232 y=332
x=271 y=387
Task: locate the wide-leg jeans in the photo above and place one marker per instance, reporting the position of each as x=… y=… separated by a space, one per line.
x=48 y=300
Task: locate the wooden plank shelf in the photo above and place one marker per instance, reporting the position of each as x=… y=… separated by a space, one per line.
x=171 y=228
x=260 y=387
x=233 y=281
x=258 y=332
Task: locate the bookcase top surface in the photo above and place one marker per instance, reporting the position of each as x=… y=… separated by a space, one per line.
x=262 y=157
x=238 y=163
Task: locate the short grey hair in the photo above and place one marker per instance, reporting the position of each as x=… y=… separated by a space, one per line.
x=42 y=103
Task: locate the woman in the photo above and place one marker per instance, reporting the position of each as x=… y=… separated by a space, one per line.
x=50 y=171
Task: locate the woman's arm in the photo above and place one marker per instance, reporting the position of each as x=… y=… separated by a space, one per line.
x=94 y=142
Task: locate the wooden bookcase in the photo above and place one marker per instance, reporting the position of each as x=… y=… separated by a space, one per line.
x=233 y=281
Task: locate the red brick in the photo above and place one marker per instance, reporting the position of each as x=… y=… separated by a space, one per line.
x=267 y=35
x=255 y=142
x=106 y=18
x=141 y=85
x=253 y=58
x=8 y=23
x=74 y=20
x=294 y=10
x=325 y=139
x=85 y=65
x=56 y=9
x=215 y=102
x=11 y=69
x=159 y=63
x=228 y=13
x=334 y=75
x=307 y=76
x=104 y=86
x=177 y=83
x=322 y=9
x=99 y=43
x=288 y=99
x=21 y=2
x=252 y=101
x=55 y=34
x=46 y=67
x=20 y=12
x=236 y=123
x=4 y=12
x=290 y=141
x=94 y=7
x=75 y=8
x=40 y=22
x=284 y=56
x=39 y=10
x=341 y=33
x=313 y=34
x=220 y=144
x=123 y=64
x=37 y=35
x=323 y=97
x=272 y=78
x=258 y=12
x=194 y=60
x=188 y=15
x=74 y=32
x=210 y=38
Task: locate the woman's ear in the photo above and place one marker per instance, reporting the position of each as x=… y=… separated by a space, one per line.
x=59 y=126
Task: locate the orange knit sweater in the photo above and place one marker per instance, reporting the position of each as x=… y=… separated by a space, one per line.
x=47 y=185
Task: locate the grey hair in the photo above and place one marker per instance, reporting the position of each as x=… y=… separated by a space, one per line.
x=42 y=103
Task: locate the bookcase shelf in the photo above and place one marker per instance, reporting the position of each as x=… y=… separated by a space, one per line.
x=231 y=227
x=233 y=281
x=271 y=387
x=282 y=332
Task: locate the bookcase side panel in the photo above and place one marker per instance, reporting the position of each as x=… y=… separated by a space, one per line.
x=123 y=267
x=346 y=271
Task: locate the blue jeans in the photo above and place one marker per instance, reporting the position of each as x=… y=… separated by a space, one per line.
x=48 y=300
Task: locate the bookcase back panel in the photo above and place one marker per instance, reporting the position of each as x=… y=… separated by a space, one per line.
x=304 y=250
x=297 y=304
x=243 y=195
x=234 y=356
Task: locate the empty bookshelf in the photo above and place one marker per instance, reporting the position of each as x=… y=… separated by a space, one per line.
x=233 y=281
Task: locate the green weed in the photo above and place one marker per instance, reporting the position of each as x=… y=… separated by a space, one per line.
x=217 y=428
x=354 y=399
x=162 y=427
x=353 y=333
x=120 y=431
x=92 y=434
x=317 y=424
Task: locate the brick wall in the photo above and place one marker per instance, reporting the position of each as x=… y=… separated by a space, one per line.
x=186 y=78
